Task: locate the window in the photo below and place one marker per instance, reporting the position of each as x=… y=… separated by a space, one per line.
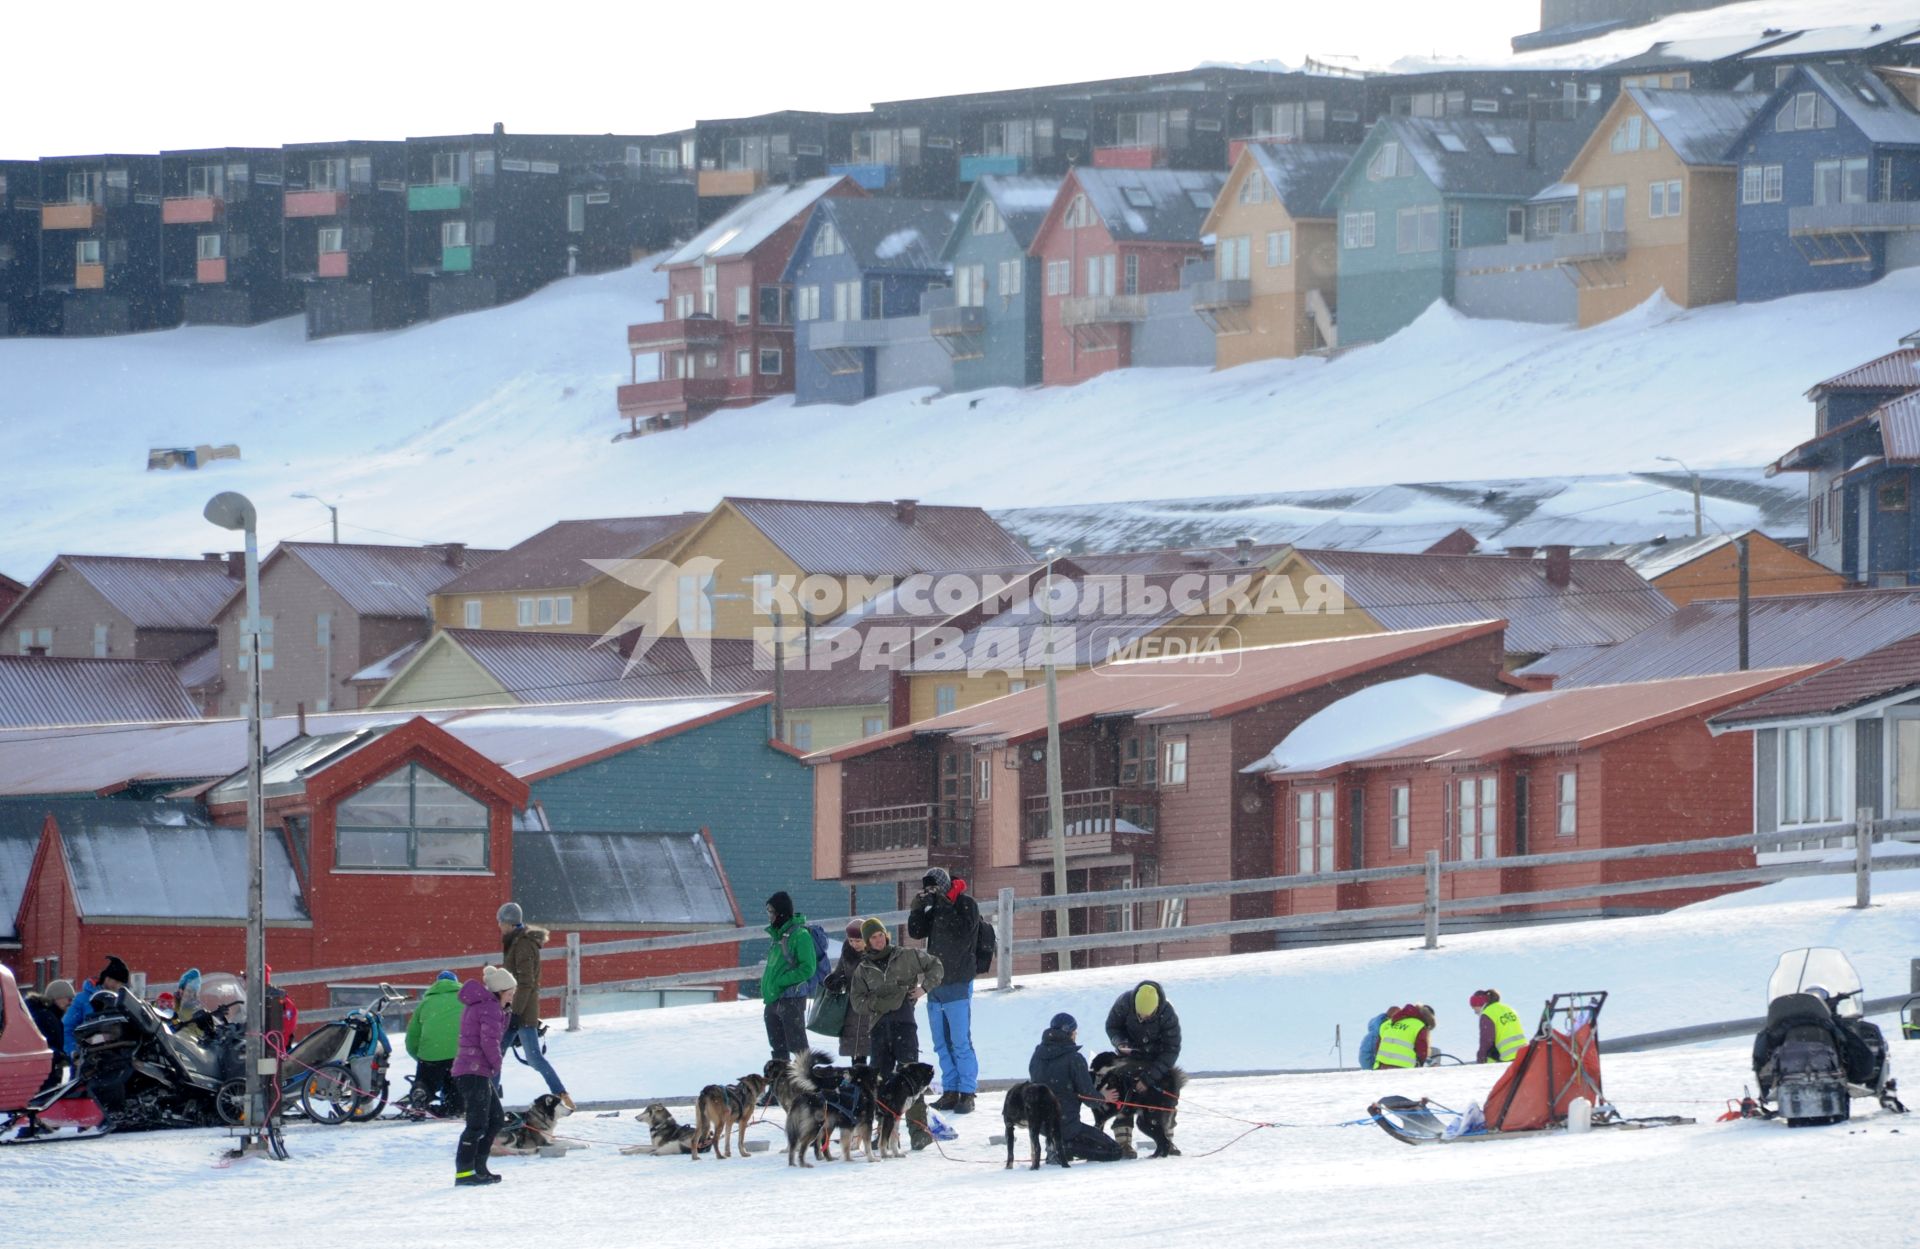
x=1130 y=282
x=87 y=252
x=524 y=614
x=1808 y=110
x=1886 y=178
x=1477 y=817
x=946 y=698
x=327 y=174
x=1657 y=200
x=1173 y=761
x=576 y=213
x=1606 y=209
x=1011 y=274
x=1234 y=259
x=451 y=168
x=206 y=181
x=36 y=639
x=1279 y=248
x=770 y=362
x=743 y=305
x=1400 y=817
x=453 y=234
x=323 y=629
x=771 y=310
x=873 y=726
x=1454 y=224
x=988 y=220
x=682 y=307
x=208 y=247
x=1840 y=181
x=563 y=609
x=411 y=820
x=743 y=362
x=806 y=303
x=1750 y=184
x=1313 y=830
x=1078 y=214
x=970 y=286
x=1892 y=496
x=83 y=186
x=800 y=734
x=1059 y=277
x=709 y=290
x=1390 y=160
x=1567 y=804
x=1100 y=274
x=982 y=778
x=1357 y=230
x=1502 y=145
x=470 y=613
x=1253 y=188
x=1016 y=687
x=1418 y=229
x=1816 y=774
x=1774 y=184
x=846 y=301
x=696 y=602
x=545 y=614
x=100 y=633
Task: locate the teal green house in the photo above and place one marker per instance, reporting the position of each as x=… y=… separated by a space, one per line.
x=1423 y=188
x=992 y=328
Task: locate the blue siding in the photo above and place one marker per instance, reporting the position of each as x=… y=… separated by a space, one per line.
x=899 y=297
x=756 y=801
x=1012 y=341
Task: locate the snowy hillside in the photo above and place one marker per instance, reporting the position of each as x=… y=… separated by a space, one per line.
x=486 y=427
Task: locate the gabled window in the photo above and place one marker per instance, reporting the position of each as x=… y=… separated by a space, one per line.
x=411 y=820
x=827 y=240
x=1390 y=160
x=1807 y=110
x=988 y=219
x=1078 y=215
x=1253 y=188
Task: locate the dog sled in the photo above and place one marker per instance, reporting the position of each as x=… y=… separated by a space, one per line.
x=1552 y=1086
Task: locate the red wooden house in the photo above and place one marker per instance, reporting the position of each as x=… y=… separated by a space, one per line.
x=1112 y=238
x=725 y=337
x=1475 y=778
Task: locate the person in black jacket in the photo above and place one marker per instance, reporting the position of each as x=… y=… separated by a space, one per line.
x=1058 y=1063
x=947 y=918
x=1142 y=1024
x=49 y=1010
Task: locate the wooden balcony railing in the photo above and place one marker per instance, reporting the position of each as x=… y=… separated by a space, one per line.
x=906 y=836
x=1097 y=821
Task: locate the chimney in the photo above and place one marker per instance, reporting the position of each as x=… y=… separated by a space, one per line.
x=1243 y=551
x=904 y=510
x=1559 y=566
x=300 y=710
x=214 y=557
x=1520 y=552
x=237 y=565
x=499 y=128
x=454 y=553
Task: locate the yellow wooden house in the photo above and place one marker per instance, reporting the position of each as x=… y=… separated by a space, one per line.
x=548 y=584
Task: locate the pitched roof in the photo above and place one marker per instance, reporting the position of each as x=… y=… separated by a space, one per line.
x=619 y=878
x=1484 y=165
x=1023 y=201
x=1603 y=600
x=1837 y=40
x=42 y=689
x=1167 y=691
x=873 y=538
x=1899 y=421
x=1883 y=673
x=152 y=593
x=903 y=235
x=1897 y=370
x=200 y=669
x=753 y=221
x=1707 y=48
x=21 y=826
x=579 y=667
x=556 y=557
x=1150 y=205
x=1085 y=635
x=1699 y=126
x=1302 y=173
x=1865 y=98
x=1783 y=630
x=1659 y=556
x=392 y=581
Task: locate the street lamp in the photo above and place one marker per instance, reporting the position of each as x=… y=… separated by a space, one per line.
x=1697 y=529
x=1056 y=814
x=333 y=512
x=235 y=511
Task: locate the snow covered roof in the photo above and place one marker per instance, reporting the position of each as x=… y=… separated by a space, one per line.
x=1839 y=40
x=1151 y=205
x=385 y=667
x=752 y=222
x=1699 y=126
x=1023 y=201
x=1864 y=98
x=1659 y=556
x=1375 y=718
x=1705 y=49
x=894 y=235
x=619 y=878
x=1490 y=156
x=1302 y=173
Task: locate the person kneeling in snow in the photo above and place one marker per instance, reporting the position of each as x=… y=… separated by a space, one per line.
x=1058 y=1063
x=1502 y=1035
x=1404 y=1036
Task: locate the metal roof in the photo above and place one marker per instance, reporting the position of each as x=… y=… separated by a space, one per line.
x=1838 y=40
x=894 y=235
x=753 y=221
x=1089 y=632
x=1783 y=630
x=1878 y=674
x=1603 y=600
x=579 y=667
x=556 y=557
x=152 y=593
x=1023 y=202
x=200 y=669
x=42 y=689
x=1150 y=205
x=1897 y=371
x=619 y=878
x=1659 y=556
x=1197 y=687
x=1699 y=125
x=21 y=824
x=1899 y=421
x=1302 y=174
x=528 y=742
x=1706 y=49
x=1541 y=152
x=873 y=539
x=1876 y=109
x=390 y=581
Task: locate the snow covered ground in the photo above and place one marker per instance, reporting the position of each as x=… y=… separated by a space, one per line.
x=1308 y=1181
x=486 y=427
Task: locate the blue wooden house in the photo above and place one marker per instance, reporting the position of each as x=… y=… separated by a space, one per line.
x=992 y=328
x=1829 y=184
x=859 y=274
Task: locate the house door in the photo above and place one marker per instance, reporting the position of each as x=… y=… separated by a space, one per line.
x=1863 y=557
x=1903 y=759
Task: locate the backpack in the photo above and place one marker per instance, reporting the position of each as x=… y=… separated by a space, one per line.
x=822 y=965
x=985 y=942
x=1370 y=1044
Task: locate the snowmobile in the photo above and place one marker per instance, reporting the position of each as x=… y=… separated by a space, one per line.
x=144 y=1075
x=1817 y=1052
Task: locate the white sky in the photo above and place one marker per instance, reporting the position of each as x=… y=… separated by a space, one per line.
x=144 y=77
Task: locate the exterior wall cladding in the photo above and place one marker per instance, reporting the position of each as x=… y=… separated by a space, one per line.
x=1515 y=282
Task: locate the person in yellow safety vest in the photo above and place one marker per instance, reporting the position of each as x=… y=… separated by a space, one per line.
x=1404 y=1036
x=1502 y=1036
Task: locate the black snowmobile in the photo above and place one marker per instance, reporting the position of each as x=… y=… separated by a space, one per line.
x=146 y=1076
x=1817 y=1052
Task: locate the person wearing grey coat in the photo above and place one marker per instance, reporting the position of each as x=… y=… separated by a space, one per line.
x=856 y=1034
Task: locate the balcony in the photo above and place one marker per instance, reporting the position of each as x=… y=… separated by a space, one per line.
x=456 y=260
x=438 y=197
x=209 y=272
x=690 y=334
x=1129 y=158
x=82 y=216
x=89 y=277
x=672 y=394
x=331 y=265
x=872 y=177
x=181 y=210
x=1102 y=310
x=1876 y=218
x=946 y=321
x=834 y=335
x=726 y=182
x=314 y=204
x=1600 y=245
x=1222 y=293
x=1097 y=822
x=972 y=167
x=881 y=841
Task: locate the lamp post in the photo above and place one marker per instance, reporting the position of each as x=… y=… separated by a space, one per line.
x=1056 y=814
x=235 y=511
x=333 y=512
x=1697 y=528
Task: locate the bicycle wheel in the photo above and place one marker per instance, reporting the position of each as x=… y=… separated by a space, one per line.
x=231 y=1103
x=369 y=1105
x=327 y=1094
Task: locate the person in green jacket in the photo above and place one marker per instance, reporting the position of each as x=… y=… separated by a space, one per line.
x=791 y=962
x=433 y=1038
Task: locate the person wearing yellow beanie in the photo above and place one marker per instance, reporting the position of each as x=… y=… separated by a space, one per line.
x=1143 y=1025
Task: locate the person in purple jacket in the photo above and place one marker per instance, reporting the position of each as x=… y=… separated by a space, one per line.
x=476 y=1070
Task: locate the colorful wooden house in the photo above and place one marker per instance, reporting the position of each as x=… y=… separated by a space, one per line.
x=121 y=607
x=1112 y=240
x=859 y=274
x=221 y=216
x=100 y=244
x=1422 y=189
x=992 y=328
x=1393 y=771
x=507 y=667
x=344 y=235
x=1152 y=755
x=1658 y=193
x=550 y=582
x=725 y=337
x=1829 y=175
x=1275 y=290
x=1685 y=569
x=22 y=311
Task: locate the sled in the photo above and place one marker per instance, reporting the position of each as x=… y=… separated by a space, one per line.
x=1414 y=1123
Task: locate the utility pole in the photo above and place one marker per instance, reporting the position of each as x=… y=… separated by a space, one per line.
x=779 y=682
x=1699 y=529
x=1056 y=803
x=1740 y=544
x=333 y=512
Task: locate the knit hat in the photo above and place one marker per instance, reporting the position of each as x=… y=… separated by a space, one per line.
x=58 y=990
x=446 y=975
x=1482 y=997
x=190 y=977
x=856 y=929
x=1146 y=1000
x=498 y=979
x=872 y=928
x=936 y=878
x=114 y=970
x=1063 y=1022
x=509 y=913
x=782 y=904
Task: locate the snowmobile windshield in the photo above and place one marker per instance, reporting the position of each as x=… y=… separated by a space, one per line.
x=222 y=989
x=1820 y=967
